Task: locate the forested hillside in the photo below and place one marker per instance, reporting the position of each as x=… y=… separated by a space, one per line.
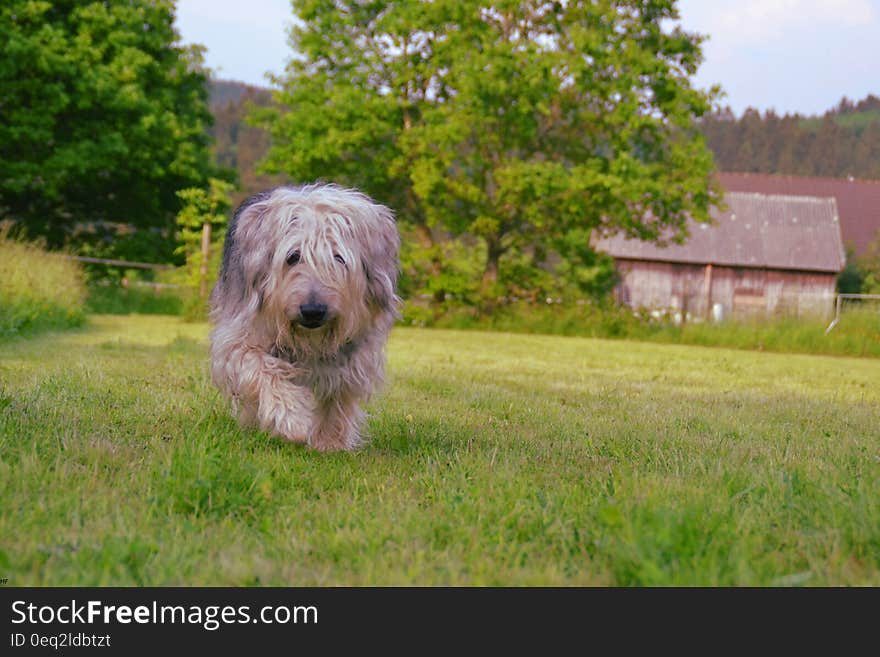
x=238 y=145
x=844 y=142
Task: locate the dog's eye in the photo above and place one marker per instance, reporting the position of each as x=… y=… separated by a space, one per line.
x=338 y=258
x=293 y=258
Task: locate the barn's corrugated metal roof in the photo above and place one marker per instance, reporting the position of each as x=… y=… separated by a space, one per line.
x=858 y=201
x=756 y=230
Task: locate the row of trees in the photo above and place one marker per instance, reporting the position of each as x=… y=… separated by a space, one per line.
x=503 y=133
x=844 y=142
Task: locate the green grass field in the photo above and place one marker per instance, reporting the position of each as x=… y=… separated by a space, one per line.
x=496 y=459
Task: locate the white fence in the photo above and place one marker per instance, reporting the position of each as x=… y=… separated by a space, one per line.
x=839 y=303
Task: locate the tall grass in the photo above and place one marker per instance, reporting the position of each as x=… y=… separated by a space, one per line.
x=38 y=290
x=857 y=334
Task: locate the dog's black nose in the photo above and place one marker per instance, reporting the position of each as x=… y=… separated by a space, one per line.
x=313 y=314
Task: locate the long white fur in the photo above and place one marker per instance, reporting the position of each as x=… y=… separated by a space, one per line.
x=305 y=385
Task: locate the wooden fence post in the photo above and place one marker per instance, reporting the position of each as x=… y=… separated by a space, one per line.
x=707 y=282
x=206 y=253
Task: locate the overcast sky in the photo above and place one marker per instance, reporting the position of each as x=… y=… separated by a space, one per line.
x=788 y=55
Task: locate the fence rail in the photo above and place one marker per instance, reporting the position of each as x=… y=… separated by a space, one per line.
x=150 y=284
x=840 y=298
x=117 y=263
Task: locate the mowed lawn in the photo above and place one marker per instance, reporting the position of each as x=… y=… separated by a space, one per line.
x=496 y=459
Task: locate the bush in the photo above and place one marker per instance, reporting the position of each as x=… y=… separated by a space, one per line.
x=38 y=290
x=597 y=319
x=116 y=300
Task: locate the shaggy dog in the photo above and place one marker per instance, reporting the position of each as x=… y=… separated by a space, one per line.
x=303 y=307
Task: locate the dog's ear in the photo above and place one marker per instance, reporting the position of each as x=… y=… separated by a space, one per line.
x=250 y=249
x=381 y=261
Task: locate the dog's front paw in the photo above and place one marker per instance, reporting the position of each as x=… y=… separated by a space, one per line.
x=290 y=419
x=291 y=428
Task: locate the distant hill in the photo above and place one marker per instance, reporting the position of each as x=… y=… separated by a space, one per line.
x=237 y=145
x=843 y=142
x=847 y=114
x=223 y=92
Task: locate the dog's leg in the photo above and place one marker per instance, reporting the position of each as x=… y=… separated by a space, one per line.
x=338 y=423
x=285 y=409
x=339 y=391
x=263 y=390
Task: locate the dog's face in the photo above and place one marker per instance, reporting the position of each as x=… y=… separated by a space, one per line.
x=319 y=264
x=313 y=290
x=320 y=288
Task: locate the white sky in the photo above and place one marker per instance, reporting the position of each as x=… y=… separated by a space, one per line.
x=788 y=55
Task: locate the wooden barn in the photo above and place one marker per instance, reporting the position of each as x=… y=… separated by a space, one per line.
x=763 y=255
x=858 y=201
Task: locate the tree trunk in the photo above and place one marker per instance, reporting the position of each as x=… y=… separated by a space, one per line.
x=435 y=265
x=423 y=231
x=494 y=252
x=490 y=273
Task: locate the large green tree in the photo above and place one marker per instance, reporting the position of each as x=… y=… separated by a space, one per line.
x=103 y=117
x=522 y=125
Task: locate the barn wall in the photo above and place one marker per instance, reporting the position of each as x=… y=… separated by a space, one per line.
x=695 y=290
